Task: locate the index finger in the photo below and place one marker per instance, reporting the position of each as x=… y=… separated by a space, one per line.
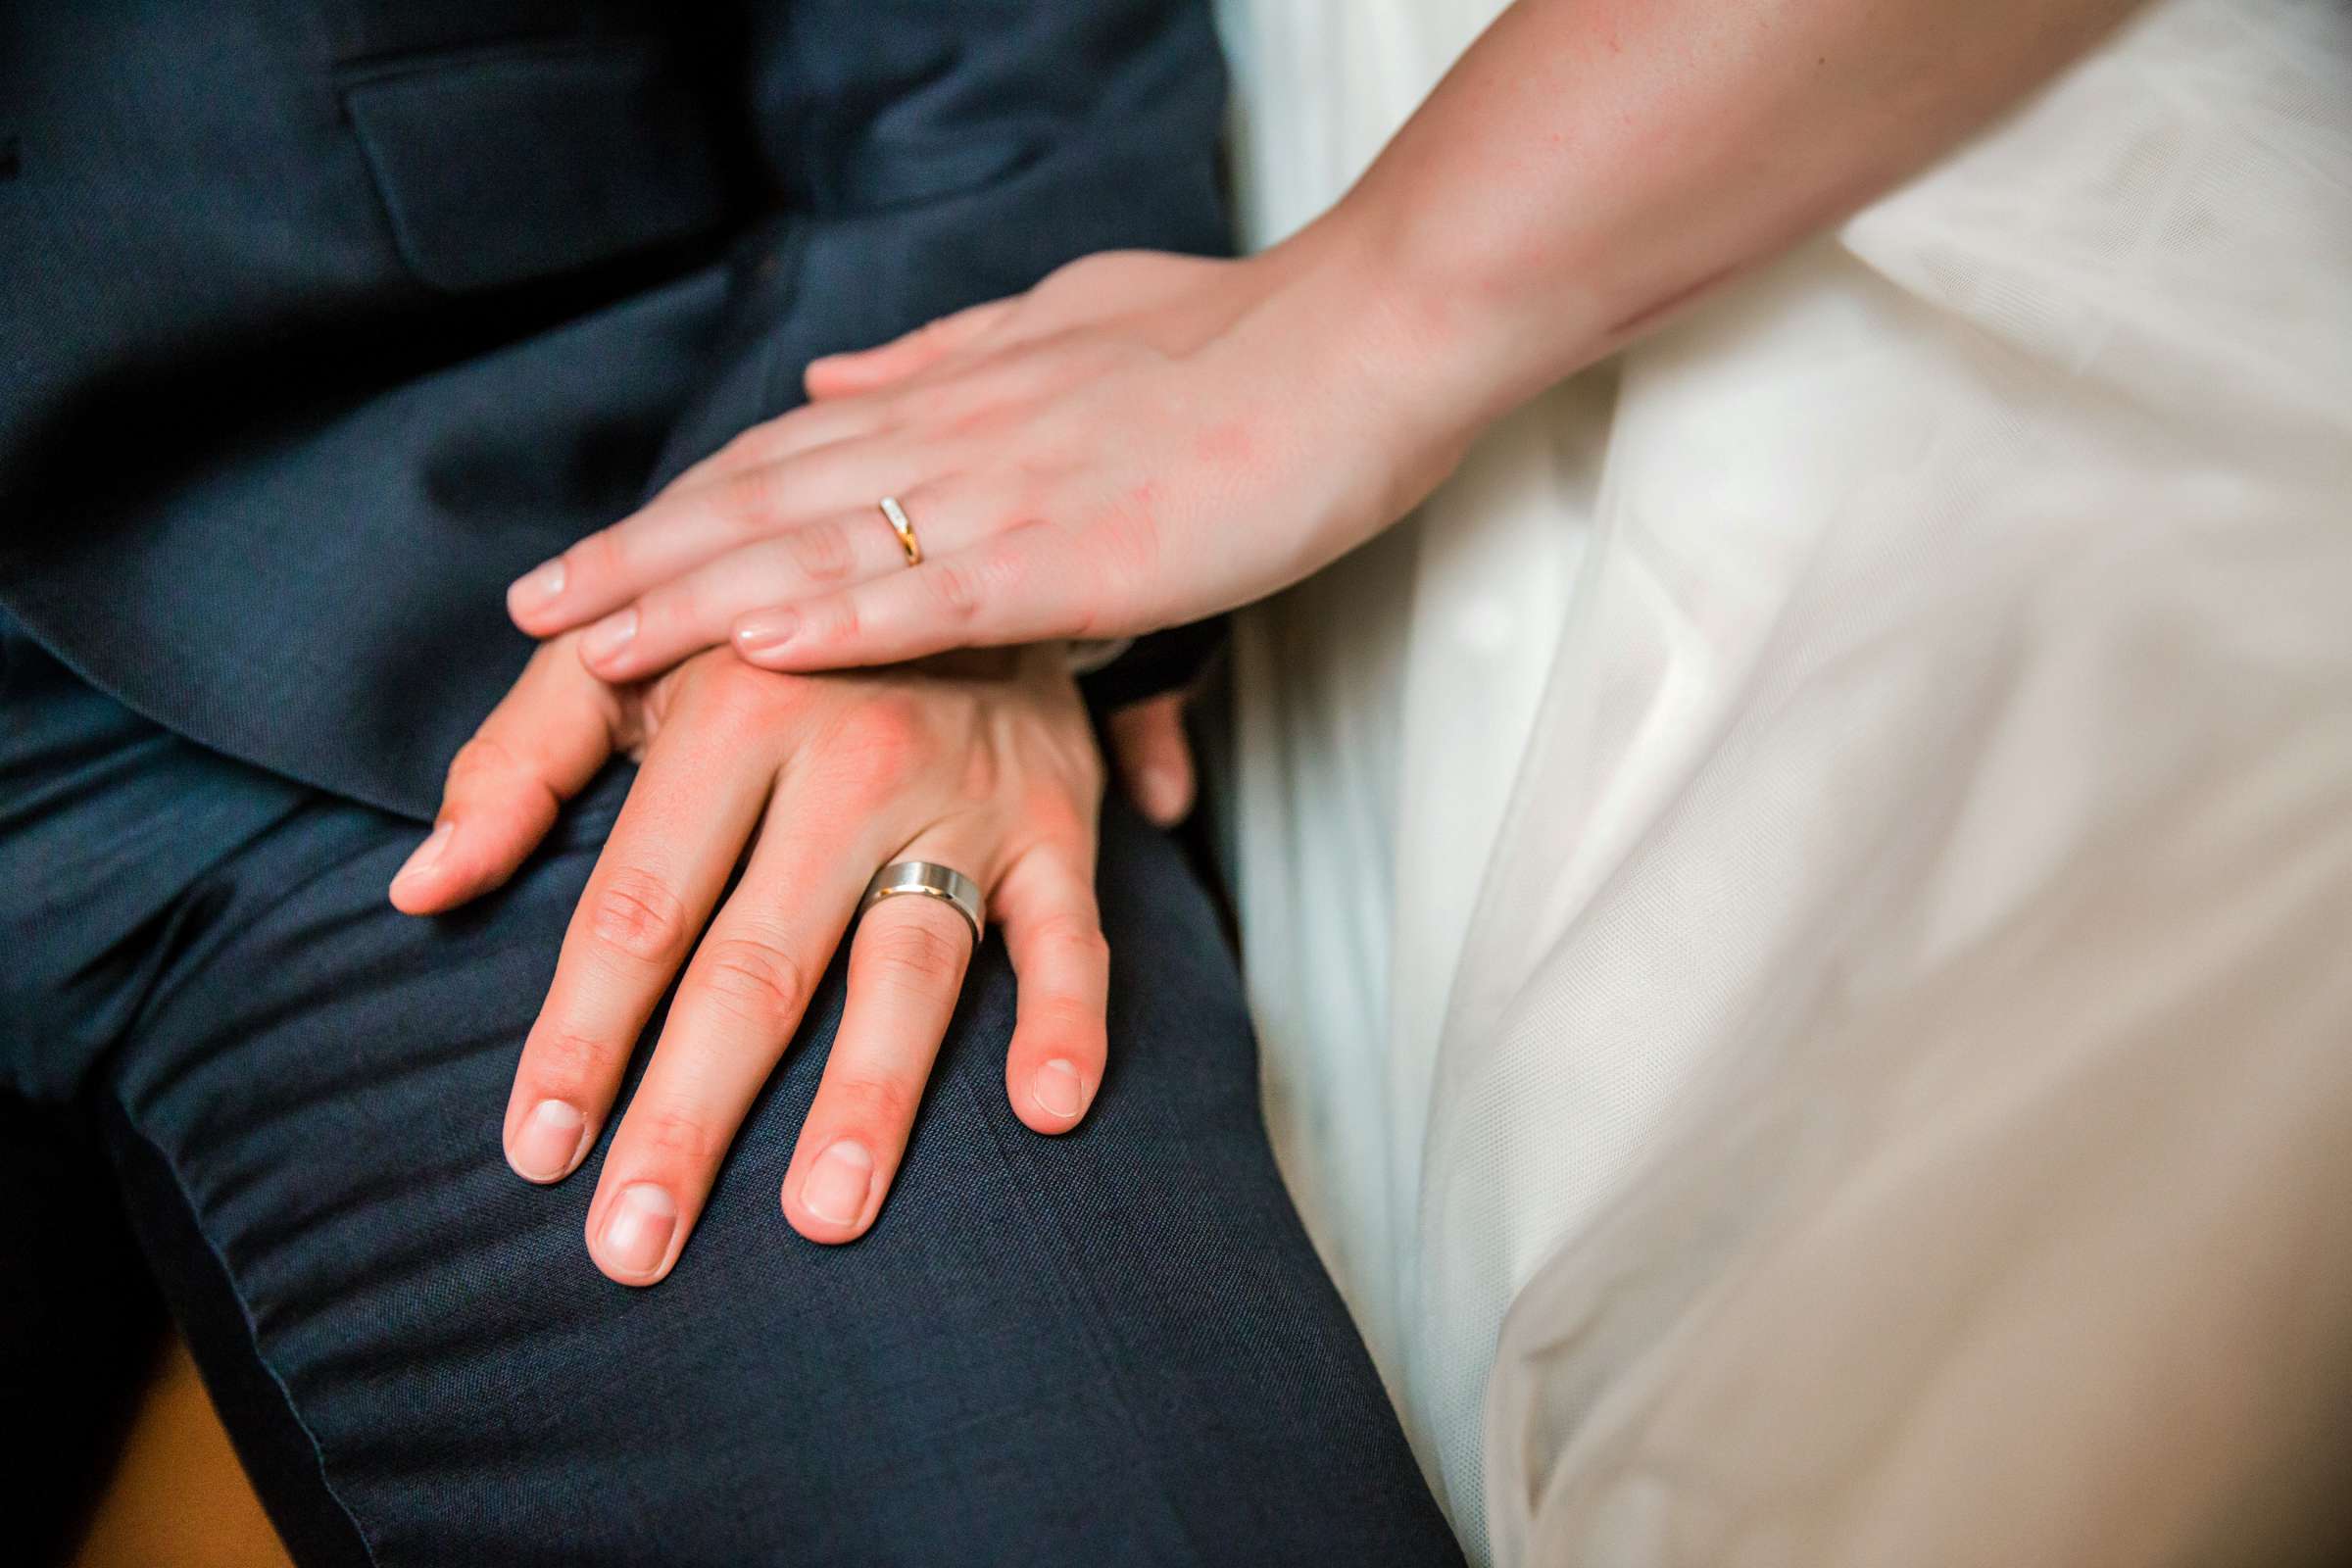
x=540 y=746
x=688 y=817
x=688 y=524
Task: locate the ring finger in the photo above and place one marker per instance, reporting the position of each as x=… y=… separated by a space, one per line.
x=696 y=609
x=907 y=966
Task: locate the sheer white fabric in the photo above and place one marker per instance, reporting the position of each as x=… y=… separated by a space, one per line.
x=1819 y=863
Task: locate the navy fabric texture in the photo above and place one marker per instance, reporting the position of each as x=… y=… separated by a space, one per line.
x=321 y=320
x=1109 y=1348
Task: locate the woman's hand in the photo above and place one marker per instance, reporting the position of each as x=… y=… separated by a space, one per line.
x=1144 y=439
x=810 y=785
x=1140 y=440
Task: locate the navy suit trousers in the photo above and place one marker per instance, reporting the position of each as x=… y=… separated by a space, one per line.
x=1113 y=1347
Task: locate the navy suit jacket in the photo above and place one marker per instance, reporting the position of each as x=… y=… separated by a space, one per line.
x=321 y=320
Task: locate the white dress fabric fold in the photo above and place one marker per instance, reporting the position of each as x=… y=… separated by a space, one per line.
x=1819 y=866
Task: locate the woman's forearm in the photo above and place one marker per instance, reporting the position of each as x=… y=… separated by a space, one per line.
x=1589 y=166
x=1144 y=439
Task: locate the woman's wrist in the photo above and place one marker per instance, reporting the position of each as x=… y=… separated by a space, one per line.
x=1487 y=309
x=1411 y=371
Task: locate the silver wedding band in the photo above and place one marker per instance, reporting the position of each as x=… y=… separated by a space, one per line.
x=929 y=880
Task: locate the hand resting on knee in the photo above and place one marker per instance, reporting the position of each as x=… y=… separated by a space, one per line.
x=809 y=784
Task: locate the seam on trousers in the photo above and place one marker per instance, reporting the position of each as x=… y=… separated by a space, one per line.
x=253 y=1336
x=1080 y=1288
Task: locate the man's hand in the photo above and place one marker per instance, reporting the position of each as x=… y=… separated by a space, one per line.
x=810 y=784
x=1155 y=757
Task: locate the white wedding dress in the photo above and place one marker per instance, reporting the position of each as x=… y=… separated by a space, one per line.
x=1800 y=912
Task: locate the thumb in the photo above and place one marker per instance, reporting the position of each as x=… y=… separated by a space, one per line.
x=1155 y=757
x=540 y=746
x=841 y=375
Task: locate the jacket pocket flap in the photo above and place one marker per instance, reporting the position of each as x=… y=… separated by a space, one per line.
x=495 y=168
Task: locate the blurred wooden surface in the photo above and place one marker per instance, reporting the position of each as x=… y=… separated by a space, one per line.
x=178 y=1498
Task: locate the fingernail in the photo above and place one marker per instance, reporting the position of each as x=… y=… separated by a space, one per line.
x=637 y=1231
x=537 y=587
x=766 y=632
x=835 y=1188
x=1058 y=1090
x=548 y=1141
x=427 y=854
x=609 y=635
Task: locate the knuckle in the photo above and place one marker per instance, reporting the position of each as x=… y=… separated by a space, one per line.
x=925 y=403
x=599 y=557
x=479 y=761
x=836 y=621
x=635 y=913
x=919 y=952
x=671 y=613
x=875 y=1099
x=568 y=1064
x=734 y=694
x=820 y=552
x=1071 y=1022
x=1021 y=564
x=674 y=1138
x=966 y=403
x=756 y=982
x=974 y=419
x=1081 y=935
x=1057 y=816
x=882 y=744
x=751 y=496
x=956 y=590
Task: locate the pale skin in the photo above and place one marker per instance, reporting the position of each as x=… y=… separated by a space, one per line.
x=1140 y=440
x=1144 y=439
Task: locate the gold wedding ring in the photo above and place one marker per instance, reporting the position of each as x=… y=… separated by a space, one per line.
x=896 y=515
